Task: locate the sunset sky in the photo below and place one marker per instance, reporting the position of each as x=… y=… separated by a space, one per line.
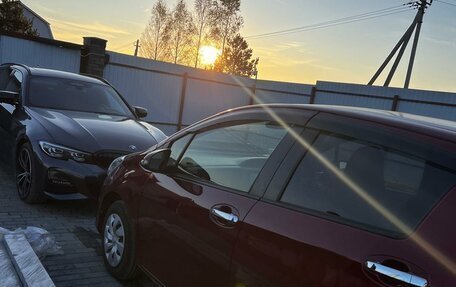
x=343 y=53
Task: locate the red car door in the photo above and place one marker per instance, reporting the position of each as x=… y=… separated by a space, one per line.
x=365 y=205
x=190 y=216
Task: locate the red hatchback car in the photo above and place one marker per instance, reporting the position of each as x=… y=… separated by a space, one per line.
x=288 y=195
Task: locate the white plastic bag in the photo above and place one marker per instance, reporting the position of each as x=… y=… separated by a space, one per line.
x=42 y=242
x=3 y=231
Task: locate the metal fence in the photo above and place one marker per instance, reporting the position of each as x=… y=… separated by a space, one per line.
x=177 y=96
x=420 y=102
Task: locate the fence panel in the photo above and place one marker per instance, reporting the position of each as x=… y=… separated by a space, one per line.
x=204 y=98
x=334 y=98
x=442 y=112
x=328 y=93
x=279 y=92
x=428 y=103
x=158 y=93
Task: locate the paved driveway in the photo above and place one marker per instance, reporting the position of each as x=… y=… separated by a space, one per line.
x=73 y=225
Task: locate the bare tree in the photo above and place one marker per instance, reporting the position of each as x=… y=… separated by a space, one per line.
x=181 y=30
x=176 y=36
x=204 y=19
x=229 y=21
x=154 y=38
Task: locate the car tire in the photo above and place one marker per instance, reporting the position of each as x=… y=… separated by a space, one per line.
x=28 y=183
x=121 y=265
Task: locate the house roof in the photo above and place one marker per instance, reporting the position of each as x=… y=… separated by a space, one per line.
x=33 y=12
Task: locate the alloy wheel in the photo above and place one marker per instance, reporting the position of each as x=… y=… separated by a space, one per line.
x=114 y=239
x=24 y=173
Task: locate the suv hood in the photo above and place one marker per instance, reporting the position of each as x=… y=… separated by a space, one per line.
x=91 y=132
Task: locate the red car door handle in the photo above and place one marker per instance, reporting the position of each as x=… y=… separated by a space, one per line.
x=397 y=274
x=224 y=215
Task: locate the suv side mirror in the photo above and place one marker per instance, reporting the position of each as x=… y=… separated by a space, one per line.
x=9 y=97
x=140 y=112
x=156 y=161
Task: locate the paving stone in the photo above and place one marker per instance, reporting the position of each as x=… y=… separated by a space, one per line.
x=72 y=224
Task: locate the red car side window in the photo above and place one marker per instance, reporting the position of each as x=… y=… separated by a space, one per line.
x=403 y=185
x=232 y=156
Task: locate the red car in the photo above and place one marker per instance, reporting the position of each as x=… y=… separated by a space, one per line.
x=288 y=195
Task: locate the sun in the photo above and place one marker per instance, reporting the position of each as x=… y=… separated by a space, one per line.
x=208 y=55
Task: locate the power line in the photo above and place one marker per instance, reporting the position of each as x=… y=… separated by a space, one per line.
x=452 y=4
x=345 y=20
x=373 y=14
x=415 y=28
x=123 y=46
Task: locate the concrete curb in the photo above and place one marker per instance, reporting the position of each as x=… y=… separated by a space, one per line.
x=28 y=266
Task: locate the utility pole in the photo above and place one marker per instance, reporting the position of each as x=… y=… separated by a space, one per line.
x=419 y=21
x=136 y=47
x=255 y=68
x=422 y=5
x=255 y=73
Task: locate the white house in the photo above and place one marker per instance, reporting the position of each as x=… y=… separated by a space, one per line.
x=39 y=23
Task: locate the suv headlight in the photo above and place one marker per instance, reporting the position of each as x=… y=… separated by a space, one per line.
x=61 y=152
x=115 y=165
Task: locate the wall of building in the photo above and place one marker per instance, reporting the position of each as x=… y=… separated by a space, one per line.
x=53 y=55
x=43 y=28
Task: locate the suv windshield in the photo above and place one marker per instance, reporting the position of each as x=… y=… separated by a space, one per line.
x=65 y=94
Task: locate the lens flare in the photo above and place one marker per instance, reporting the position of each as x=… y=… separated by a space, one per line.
x=441 y=258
